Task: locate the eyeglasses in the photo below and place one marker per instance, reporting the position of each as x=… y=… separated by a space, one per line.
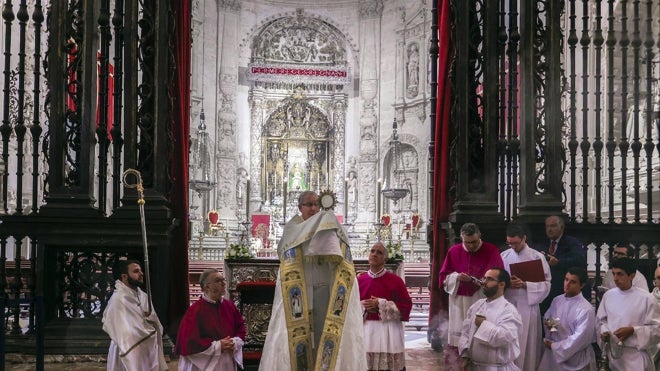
x=489 y=279
x=310 y=204
x=515 y=243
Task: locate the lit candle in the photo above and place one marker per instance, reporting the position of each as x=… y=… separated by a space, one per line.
x=247 y=200
x=378 y=200
x=284 y=199
x=346 y=200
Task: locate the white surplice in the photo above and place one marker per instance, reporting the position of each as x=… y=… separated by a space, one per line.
x=636 y=308
x=527 y=303
x=458 y=306
x=136 y=339
x=213 y=358
x=493 y=346
x=571 y=342
x=638 y=281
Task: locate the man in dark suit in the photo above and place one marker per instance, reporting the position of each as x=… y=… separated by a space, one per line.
x=561 y=252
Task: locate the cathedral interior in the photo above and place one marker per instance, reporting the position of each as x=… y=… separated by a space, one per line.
x=410 y=113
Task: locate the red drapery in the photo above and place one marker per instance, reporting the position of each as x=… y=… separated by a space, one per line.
x=441 y=181
x=179 y=296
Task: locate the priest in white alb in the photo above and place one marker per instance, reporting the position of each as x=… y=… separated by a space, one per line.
x=135 y=331
x=570 y=327
x=628 y=321
x=526 y=296
x=489 y=339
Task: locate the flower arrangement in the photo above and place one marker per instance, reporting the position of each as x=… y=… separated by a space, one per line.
x=238 y=251
x=394 y=253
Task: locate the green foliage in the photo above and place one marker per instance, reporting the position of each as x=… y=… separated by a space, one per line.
x=394 y=253
x=237 y=251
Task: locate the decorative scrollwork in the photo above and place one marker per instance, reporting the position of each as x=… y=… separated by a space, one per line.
x=146 y=121
x=84 y=283
x=257 y=317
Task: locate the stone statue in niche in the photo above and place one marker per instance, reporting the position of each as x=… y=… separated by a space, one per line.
x=352 y=189
x=241 y=187
x=412 y=68
x=407 y=202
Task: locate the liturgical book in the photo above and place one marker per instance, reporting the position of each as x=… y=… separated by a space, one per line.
x=530 y=271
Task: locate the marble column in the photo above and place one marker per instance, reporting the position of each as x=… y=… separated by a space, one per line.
x=339 y=123
x=257 y=114
x=370 y=17
x=225 y=105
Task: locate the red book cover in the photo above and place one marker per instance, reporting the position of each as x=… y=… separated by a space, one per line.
x=530 y=271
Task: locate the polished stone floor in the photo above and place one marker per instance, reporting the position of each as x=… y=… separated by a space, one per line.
x=419 y=354
x=419 y=357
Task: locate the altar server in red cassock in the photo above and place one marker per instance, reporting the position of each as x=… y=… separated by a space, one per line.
x=386 y=304
x=212 y=331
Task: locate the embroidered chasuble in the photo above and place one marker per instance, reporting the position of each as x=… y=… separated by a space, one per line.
x=316 y=320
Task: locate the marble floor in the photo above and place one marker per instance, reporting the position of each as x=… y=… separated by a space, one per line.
x=419 y=354
x=419 y=357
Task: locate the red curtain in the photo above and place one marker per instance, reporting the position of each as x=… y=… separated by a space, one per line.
x=441 y=181
x=179 y=296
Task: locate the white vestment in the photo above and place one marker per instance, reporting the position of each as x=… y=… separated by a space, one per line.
x=458 y=306
x=571 y=342
x=527 y=303
x=213 y=358
x=319 y=278
x=638 y=281
x=136 y=339
x=636 y=308
x=493 y=346
x=386 y=336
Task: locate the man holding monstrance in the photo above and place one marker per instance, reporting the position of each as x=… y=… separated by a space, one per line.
x=315 y=261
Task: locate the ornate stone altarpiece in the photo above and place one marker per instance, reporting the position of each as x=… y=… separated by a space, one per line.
x=298 y=71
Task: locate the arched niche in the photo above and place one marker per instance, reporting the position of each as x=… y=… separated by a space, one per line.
x=298 y=141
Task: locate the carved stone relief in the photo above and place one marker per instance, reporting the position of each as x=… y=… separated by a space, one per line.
x=233 y=5
x=371 y=8
x=299 y=39
x=367 y=188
